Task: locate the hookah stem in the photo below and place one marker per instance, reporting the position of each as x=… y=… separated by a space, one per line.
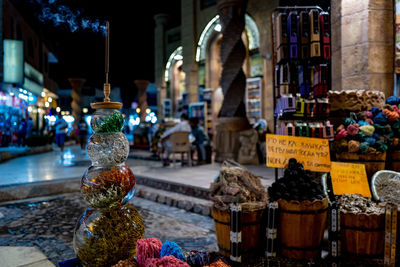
x=107 y=50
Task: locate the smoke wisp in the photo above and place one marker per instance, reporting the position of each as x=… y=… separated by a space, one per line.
x=60 y=15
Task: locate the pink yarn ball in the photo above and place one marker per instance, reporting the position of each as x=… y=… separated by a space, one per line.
x=147 y=248
x=166 y=261
x=342 y=134
x=352 y=129
x=369 y=114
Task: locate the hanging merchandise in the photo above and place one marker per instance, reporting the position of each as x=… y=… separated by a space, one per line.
x=282 y=37
x=324 y=19
x=304 y=35
x=315 y=47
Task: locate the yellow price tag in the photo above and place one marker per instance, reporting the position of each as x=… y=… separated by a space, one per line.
x=349 y=178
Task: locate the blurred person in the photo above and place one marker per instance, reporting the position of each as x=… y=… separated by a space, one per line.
x=61 y=126
x=182 y=126
x=83 y=130
x=29 y=127
x=200 y=141
x=22 y=133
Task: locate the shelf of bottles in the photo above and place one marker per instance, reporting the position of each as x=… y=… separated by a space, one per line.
x=253 y=99
x=199 y=110
x=302 y=53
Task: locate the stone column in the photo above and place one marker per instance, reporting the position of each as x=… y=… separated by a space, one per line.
x=76 y=84
x=232 y=116
x=189 y=44
x=233 y=53
x=160 y=58
x=142 y=97
x=362 y=45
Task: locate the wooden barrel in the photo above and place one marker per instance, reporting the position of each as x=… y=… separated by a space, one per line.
x=227 y=139
x=373 y=161
x=362 y=234
x=301 y=228
x=393 y=161
x=252 y=237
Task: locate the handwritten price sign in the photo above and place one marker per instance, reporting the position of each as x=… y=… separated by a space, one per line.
x=349 y=178
x=313 y=153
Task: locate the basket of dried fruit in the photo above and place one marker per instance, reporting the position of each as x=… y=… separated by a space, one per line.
x=236 y=185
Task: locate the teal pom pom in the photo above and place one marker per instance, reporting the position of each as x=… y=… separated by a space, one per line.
x=364 y=146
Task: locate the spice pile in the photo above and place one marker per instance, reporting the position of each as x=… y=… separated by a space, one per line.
x=108 y=237
x=108 y=149
x=296 y=184
x=356 y=203
x=236 y=184
x=388 y=190
x=107 y=187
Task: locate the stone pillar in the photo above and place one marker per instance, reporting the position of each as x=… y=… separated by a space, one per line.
x=189 y=44
x=160 y=58
x=232 y=116
x=142 y=97
x=362 y=45
x=76 y=84
x=233 y=53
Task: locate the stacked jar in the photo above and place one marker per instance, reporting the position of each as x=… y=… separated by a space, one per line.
x=108 y=230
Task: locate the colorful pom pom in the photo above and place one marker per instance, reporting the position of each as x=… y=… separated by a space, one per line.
x=352 y=129
x=393 y=100
x=166 y=261
x=371 y=150
x=391 y=115
x=348 y=121
x=367 y=130
x=368 y=114
x=148 y=248
x=171 y=248
x=380 y=146
x=353 y=146
x=375 y=111
x=342 y=134
x=362 y=123
x=370 y=140
x=381 y=118
x=364 y=146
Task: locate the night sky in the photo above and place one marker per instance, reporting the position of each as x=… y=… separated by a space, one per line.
x=81 y=53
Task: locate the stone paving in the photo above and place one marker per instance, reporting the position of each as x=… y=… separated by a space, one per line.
x=48 y=224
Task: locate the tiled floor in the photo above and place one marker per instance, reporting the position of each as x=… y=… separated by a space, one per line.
x=49 y=167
